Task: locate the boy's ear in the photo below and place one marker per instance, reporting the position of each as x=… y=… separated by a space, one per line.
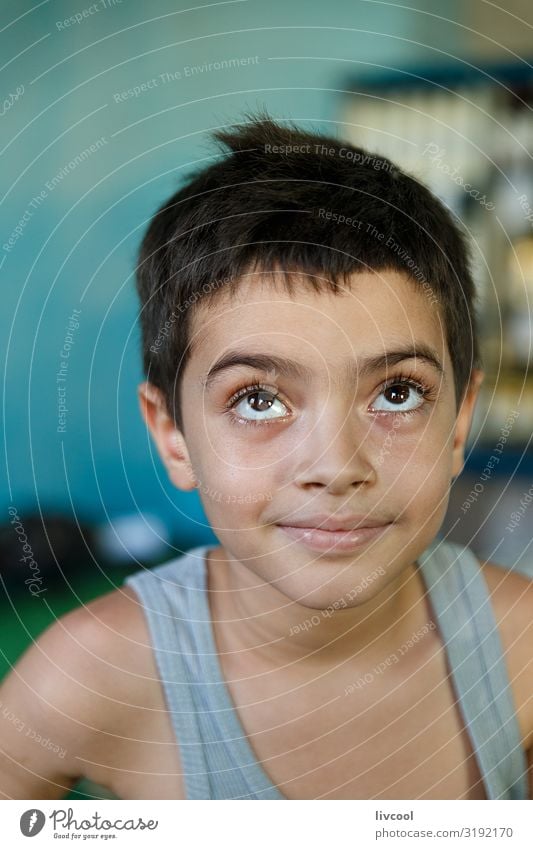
x=167 y=437
x=464 y=420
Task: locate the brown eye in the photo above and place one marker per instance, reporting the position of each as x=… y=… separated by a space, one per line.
x=256 y=404
x=398 y=393
x=402 y=396
x=260 y=401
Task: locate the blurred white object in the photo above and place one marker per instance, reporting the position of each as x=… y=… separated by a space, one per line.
x=137 y=536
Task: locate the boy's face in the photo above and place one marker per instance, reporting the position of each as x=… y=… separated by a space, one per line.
x=325 y=437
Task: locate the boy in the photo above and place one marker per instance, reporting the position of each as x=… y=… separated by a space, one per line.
x=312 y=366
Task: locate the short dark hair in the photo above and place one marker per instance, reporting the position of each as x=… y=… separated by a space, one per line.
x=304 y=203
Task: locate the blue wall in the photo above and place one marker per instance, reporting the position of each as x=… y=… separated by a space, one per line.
x=75 y=246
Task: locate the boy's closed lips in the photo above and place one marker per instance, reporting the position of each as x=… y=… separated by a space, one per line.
x=324 y=533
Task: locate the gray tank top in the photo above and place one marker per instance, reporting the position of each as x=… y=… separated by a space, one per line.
x=216 y=757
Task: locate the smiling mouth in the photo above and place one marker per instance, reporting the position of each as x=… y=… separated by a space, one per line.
x=319 y=539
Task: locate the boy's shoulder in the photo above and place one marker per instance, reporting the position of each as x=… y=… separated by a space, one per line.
x=104 y=653
x=129 y=705
x=511 y=594
x=69 y=691
x=110 y=633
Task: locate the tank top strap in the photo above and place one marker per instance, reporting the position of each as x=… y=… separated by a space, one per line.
x=462 y=605
x=216 y=756
x=160 y=598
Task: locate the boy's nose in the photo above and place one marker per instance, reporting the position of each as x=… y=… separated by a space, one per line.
x=335 y=453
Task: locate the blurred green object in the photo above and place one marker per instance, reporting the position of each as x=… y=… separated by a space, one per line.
x=88 y=790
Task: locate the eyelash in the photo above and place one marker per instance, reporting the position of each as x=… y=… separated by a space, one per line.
x=424 y=389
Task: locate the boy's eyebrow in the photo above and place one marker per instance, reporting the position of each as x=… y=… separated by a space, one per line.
x=291 y=368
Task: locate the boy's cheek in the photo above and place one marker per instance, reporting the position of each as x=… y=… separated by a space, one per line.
x=424 y=451
x=416 y=475
x=425 y=494
x=233 y=498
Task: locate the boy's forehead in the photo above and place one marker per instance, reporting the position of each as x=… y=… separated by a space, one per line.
x=373 y=312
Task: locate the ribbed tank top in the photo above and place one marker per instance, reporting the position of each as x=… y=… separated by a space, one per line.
x=216 y=757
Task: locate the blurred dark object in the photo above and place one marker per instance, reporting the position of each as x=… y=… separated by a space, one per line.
x=42 y=551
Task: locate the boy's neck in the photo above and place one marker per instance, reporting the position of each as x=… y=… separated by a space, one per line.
x=263 y=619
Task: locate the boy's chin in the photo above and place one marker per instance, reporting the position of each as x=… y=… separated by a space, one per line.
x=337 y=582
x=324 y=592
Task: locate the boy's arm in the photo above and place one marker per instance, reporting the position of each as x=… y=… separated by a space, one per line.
x=51 y=708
